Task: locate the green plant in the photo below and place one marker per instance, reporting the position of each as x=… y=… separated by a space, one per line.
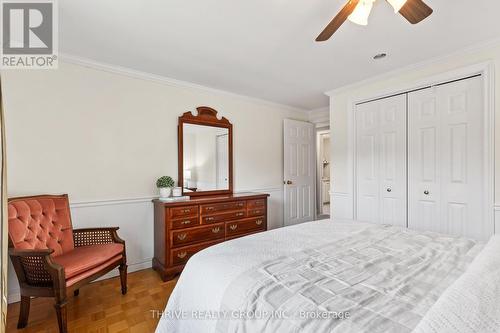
x=165 y=181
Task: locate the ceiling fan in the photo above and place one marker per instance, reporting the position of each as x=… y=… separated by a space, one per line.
x=357 y=11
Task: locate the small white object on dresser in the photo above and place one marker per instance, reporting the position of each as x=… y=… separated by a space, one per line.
x=177 y=192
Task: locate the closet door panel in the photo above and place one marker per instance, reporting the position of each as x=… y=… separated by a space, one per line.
x=423 y=153
x=463 y=158
x=445 y=156
x=392 y=154
x=381 y=161
x=367 y=158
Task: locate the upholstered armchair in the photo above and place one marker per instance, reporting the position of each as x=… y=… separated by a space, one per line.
x=51 y=259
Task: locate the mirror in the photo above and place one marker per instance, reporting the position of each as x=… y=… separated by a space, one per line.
x=205 y=153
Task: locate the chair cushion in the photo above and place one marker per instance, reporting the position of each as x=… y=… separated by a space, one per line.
x=41 y=222
x=85 y=258
x=79 y=277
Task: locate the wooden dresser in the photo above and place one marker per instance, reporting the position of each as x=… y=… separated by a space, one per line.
x=183 y=228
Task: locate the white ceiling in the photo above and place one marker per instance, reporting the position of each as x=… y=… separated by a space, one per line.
x=266 y=48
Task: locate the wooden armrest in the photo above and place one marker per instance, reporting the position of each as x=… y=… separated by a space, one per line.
x=30 y=253
x=95 y=236
x=36 y=268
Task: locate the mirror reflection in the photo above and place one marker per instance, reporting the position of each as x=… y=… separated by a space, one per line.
x=206 y=158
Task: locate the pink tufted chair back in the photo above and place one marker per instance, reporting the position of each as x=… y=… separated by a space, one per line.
x=41 y=222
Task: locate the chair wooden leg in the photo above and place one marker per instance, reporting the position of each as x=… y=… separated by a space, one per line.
x=123 y=277
x=76 y=292
x=62 y=318
x=24 y=312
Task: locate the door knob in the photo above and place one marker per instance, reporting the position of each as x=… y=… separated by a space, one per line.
x=389 y=189
x=426 y=192
x=288 y=182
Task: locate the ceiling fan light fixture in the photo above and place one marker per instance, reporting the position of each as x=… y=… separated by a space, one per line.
x=361 y=12
x=397 y=4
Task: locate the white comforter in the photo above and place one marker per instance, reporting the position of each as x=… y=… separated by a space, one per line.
x=472 y=303
x=220 y=278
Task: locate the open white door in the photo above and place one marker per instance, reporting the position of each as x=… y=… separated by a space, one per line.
x=299 y=171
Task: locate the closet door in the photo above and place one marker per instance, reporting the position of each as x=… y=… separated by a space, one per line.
x=381 y=161
x=446 y=159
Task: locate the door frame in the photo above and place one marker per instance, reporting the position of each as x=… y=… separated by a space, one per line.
x=319 y=198
x=487 y=72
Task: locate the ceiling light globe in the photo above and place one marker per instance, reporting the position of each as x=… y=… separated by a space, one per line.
x=361 y=12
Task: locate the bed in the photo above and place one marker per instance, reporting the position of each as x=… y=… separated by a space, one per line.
x=339 y=276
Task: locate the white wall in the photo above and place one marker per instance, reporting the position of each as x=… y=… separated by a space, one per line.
x=104 y=138
x=341 y=107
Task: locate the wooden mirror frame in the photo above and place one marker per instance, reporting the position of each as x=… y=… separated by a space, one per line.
x=208 y=117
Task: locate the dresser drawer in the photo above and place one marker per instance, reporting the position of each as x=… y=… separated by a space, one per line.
x=181 y=255
x=245 y=226
x=185 y=222
x=223 y=206
x=258 y=203
x=256 y=212
x=197 y=235
x=223 y=217
x=183 y=211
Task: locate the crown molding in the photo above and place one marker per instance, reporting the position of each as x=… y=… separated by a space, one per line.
x=129 y=72
x=320 y=117
x=416 y=66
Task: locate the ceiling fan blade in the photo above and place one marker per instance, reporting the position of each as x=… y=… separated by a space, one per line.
x=337 y=21
x=415 y=11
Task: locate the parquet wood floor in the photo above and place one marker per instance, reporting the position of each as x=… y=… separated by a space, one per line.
x=101 y=308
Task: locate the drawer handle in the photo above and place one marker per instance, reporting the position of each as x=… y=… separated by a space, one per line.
x=186 y=210
x=216 y=230
x=186 y=222
x=233 y=227
x=181 y=236
x=256 y=211
x=258 y=222
x=210 y=218
x=182 y=255
x=240 y=204
x=210 y=208
x=240 y=214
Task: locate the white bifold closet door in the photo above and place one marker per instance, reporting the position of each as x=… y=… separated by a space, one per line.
x=446 y=159
x=381 y=161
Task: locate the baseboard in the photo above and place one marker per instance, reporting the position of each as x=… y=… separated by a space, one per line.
x=15 y=295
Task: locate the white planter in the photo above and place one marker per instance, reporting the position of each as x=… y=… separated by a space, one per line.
x=165 y=192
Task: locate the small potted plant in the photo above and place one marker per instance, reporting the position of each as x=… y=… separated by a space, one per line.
x=165 y=185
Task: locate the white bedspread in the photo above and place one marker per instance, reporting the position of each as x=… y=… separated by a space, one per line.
x=343 y=266
x=472 y=303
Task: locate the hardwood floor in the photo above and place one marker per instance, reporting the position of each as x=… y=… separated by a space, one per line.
x=101 y=308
